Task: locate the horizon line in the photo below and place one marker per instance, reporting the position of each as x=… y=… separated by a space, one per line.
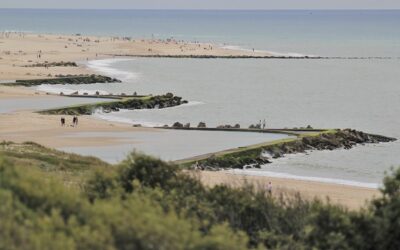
x=201 y=9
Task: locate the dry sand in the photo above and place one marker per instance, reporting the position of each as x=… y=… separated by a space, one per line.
x=349 y=196
x=18 y=50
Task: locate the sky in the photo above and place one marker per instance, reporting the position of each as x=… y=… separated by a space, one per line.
x=202 y=4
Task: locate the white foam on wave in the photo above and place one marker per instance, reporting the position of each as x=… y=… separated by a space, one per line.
x=288 y=54
x=57 y=89
x=99 y=114
x=305 y=178
x=112 y=117
x=104 y=66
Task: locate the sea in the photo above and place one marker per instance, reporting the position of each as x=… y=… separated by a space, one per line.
x=358 y=87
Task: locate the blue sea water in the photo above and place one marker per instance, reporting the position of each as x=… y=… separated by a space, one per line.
x=361 y=94
x=321 y=32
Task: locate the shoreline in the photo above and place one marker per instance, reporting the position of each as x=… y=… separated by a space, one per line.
x=287 y=176
x=352 y=197
x=10 y=68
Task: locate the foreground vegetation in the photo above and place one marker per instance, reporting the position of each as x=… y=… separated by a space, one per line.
x=145 y=203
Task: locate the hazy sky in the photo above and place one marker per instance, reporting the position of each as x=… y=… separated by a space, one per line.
x=203 y=4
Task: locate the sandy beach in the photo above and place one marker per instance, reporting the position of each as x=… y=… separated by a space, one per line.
x=348 y=196
x=19 y=50
x=46 y=130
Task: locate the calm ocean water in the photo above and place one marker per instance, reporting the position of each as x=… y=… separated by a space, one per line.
x=361 y=94
x=329 y=33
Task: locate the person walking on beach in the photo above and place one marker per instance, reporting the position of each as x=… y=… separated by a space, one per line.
x=75 y=121
x=62 y=121
x=269 y=188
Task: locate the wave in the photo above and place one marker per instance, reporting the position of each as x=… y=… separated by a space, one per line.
x=99 y=114
x=288 y=54
x=189 y=104
x=305 y=178
x=112 y=117
x=104 y=66
x=55 y=89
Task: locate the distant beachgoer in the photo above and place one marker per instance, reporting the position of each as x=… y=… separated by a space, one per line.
x=269 y=188
x=75 y=121
x=62 y=121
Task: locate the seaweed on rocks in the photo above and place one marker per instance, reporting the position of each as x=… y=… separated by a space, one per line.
x=133 y=103
x=254 y=157
x=65 y=80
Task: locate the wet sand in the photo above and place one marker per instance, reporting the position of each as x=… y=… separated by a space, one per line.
x=46 y=130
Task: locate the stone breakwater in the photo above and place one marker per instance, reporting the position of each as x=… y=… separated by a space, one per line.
x=254 y=157
x=130 y=103
x=219 y=56
x=89 y=79
x=52 y=64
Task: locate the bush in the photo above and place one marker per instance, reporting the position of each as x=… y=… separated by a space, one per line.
x=145 y=203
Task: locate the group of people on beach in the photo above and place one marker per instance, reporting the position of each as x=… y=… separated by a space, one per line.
x=262 y=124
x=74 y=121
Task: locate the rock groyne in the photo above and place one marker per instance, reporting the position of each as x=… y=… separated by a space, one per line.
x=132 y=103
x=254 y=157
